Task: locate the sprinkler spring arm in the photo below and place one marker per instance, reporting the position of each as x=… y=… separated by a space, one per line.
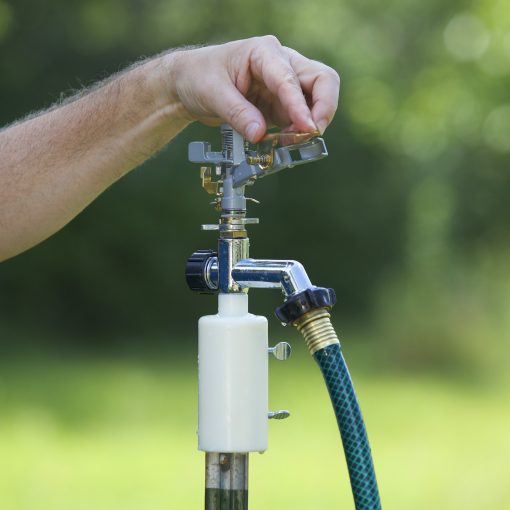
x=267 y=158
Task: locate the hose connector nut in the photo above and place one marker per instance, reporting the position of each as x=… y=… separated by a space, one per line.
x=310 y=299
x=197 y=272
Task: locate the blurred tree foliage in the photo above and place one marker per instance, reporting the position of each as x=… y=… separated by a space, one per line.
x=412 y=197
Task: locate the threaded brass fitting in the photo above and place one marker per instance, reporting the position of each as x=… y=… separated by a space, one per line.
x=317 y=330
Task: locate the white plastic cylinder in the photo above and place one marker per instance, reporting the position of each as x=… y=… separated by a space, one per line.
x=232 y=378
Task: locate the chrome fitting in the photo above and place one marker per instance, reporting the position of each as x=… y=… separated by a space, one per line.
x=289 y=275
x=230 y=252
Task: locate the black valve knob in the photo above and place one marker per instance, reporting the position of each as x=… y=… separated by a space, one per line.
x=196 y=270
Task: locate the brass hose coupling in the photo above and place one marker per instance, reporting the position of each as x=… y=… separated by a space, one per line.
x=317 y=330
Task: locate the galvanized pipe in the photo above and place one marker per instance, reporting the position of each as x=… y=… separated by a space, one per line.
x=226 y=481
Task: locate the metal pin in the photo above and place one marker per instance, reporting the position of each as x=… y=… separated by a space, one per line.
x=278 y=415
x=281 y=351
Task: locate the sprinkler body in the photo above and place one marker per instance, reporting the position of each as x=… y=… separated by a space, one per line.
x=233 y=344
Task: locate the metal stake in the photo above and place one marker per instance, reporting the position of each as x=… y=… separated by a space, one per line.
x=226 y=481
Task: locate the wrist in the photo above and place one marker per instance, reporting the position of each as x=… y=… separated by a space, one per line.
x=157 y=91
x=167 y=75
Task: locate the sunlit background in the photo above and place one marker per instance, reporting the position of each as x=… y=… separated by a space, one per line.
x=408 y=219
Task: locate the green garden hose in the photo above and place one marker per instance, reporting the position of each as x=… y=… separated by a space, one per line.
x=324 y=345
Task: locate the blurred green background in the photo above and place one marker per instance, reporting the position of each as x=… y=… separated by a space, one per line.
x=411 y=208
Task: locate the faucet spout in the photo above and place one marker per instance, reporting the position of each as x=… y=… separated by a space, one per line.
x=288 y=275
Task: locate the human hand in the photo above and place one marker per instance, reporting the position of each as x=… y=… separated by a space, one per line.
x=253 y=84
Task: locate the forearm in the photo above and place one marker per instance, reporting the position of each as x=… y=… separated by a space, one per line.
x=55 y=164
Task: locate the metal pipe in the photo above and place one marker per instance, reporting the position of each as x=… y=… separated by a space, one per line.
x=226 y=481
x=230 y=252
x=288 y=275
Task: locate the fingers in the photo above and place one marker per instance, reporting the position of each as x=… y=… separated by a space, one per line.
x=270 y=64
x=325 y=95
x=242 y=115
x=252 y=83
x=322 y=83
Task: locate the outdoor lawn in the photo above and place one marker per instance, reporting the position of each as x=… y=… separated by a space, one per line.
x=108 y=434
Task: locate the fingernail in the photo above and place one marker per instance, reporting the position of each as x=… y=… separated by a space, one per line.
x=252 y=130
x=322 y=124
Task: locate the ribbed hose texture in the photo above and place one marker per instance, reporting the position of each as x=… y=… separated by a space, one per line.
x=352 y=428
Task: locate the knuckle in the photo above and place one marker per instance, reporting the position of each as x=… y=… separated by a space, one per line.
x=331 y=74
x=327 y=71
x=288 y=79
x=264 y=46
x=334 y=75
x=271 y=40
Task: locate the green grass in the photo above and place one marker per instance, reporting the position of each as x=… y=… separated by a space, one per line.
x=109 y=435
